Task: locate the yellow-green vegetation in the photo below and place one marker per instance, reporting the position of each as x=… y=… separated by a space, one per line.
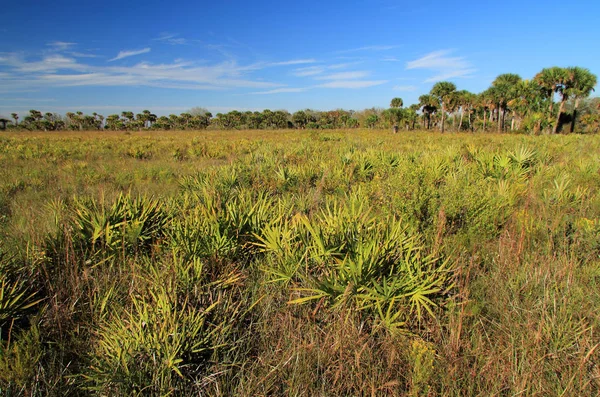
x=299 y=263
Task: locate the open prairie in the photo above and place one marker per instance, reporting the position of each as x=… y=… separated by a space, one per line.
x=286 y=262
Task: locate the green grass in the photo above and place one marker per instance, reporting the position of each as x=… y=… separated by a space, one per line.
x=299 y=263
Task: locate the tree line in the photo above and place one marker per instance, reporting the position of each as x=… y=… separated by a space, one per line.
x=509 y=104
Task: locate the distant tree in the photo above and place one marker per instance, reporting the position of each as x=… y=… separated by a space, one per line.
x=174 y=121
x=464 y=100
x=255 y=120
x=394 y=115
x=504 y=86
x=412 y=115
x=552 y=80
x=582 y=83
x=372 y=120
x=429 y=104
x=444 y=91
x=352 y=123
x=300 y=119
x=16 y=118
x=548 y=79
x=128 y=116
x=396 y=103
x=198 y=111
x=185 y=119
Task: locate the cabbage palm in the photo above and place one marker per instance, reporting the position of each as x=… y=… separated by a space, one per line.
x=581 y=85
x=465 y=101
x=526 y=99
x=552 y=80
x=485 y=102
x=429 y=104
x=444 y=91
x=396 y=103
x=504 y=86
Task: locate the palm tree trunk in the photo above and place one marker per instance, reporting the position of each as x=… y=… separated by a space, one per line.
x=461 y=119
x=470 y=125
x=443 y=114
x=500 y=119
x=484 y=119
x=560 y=110
x=574 y=115
x=512 y=122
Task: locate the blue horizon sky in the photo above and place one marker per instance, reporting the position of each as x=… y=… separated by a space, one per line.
x=166 y=57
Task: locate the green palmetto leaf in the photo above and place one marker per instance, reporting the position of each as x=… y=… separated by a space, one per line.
x=14 y=300
x=317 y=294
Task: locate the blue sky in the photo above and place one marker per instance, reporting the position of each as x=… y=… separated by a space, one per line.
x=168 y=57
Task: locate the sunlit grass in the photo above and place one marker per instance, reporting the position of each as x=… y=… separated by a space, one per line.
x=289 y=262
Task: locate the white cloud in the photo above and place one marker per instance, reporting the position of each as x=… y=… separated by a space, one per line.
x=369 y=48
x=316 y=70
x=308 y=71
x=352 y=83
x=292 y=62
x=60 y=71
x=445 y=66
x=171 y=38
x=344 y=76
x=407 y=88
x=82 y=55
x=438 y=60
x=49 y=64
x=130 y=53
x=280 y=91
x=60 y=45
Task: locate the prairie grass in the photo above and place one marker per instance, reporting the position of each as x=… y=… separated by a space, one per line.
x=299 y=263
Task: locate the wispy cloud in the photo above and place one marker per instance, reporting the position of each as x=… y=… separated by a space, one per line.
x=369 y=48
x=57 y=70
x=293 y=62
x=444 y=65
x=317 y=70
x=344 y=76
x=308 y=71
x=60 y=45
x=352 y=83
x=281 y=91
x=27 y=100
x=406 y=88
x=130 y=53
x=171 y=38
x=82 y=54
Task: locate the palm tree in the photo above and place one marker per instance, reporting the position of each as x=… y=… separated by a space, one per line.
x=396 y=103
x=461 y=96
x=186 y=118
x=527 y=98
x=485 y=102
x=581 y=85
x=443 y=90
x=466 y=100
x=505 y=91
x=551 y=80
x=429 y=104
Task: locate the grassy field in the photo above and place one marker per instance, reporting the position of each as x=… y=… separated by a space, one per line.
x=299 y=263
